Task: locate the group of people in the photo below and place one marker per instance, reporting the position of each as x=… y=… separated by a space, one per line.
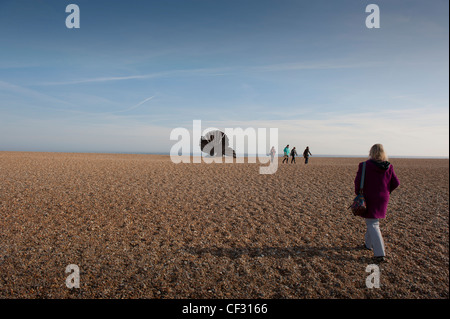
x=290 y=153
x=293 y=153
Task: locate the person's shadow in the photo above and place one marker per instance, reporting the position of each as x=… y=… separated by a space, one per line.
x=278 y=252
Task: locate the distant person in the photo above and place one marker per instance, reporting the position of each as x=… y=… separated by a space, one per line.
x=379 y=181
x=272 y=154
x=293 y=155
x=286 y=154
x=306 y=154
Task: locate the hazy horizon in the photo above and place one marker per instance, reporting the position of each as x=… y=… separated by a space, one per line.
x=238 y=155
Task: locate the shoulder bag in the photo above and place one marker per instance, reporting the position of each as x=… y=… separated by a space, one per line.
x=358 y=206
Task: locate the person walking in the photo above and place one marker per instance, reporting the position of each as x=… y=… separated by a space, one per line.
x=306 y=154
x=286 y=154
x=379 y=182
x=293 y=155
x=272 y=154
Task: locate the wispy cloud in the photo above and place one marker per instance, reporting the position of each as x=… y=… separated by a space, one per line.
x=29 y=93
x=314 y=66
x=220 y=71
x=171 y=73
x=38 y=100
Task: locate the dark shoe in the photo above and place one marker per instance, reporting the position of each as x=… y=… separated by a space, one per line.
x=363 y=246
x=379 y=259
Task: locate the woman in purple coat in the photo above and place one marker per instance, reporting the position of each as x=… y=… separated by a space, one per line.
x=380 y=180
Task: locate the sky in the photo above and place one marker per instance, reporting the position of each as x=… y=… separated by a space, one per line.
x=136 y=70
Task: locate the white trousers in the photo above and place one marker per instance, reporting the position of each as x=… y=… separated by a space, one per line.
x=373 y=237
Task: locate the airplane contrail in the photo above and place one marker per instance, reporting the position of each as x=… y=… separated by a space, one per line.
x=137 y=105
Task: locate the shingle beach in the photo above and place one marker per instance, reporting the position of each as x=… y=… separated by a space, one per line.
x=140 y=226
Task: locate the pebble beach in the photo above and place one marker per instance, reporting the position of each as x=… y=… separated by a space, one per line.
x=141 y=226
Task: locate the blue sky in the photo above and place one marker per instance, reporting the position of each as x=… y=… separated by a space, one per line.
x=135 y=70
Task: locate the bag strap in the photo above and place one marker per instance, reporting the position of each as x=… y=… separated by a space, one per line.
x=361 y=186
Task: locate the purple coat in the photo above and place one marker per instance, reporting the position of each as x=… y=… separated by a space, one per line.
x=380 y=180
